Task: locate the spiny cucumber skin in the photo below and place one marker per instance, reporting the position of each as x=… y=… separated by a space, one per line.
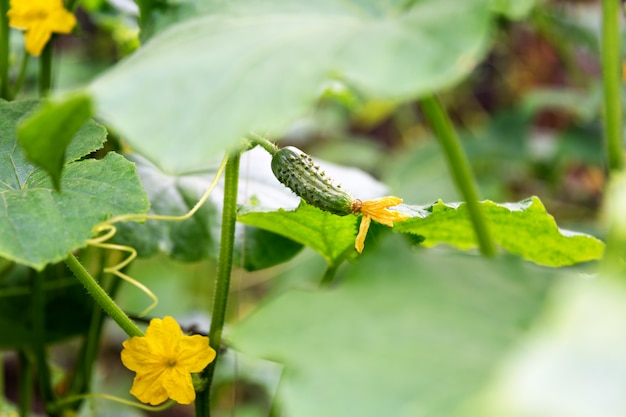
x=296 y=170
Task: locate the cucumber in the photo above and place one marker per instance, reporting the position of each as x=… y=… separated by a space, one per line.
x=296 y=170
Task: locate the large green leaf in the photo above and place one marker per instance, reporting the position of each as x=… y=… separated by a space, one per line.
x=196 y=88
x=405 y=333
x=39 y=225
x=523 y=228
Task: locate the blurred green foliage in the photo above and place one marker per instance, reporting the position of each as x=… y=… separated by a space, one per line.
x=405 y=330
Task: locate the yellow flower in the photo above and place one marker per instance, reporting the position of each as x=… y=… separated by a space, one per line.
x=164 y=360
x=40 y=18
x=377 y=210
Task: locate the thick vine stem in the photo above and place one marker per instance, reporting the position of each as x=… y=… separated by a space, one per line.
x=460 y=169
x=222 y=280
x=611 y=77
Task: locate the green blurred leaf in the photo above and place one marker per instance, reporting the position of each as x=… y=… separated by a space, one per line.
x=420 y=173
x=39 y=225
x=513 y=9
x=259 y=64
x=523 y=228
x=67 y=309
x=574 y=362
x=46 y=133
x=404 y=334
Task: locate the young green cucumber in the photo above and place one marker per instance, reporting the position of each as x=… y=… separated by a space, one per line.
x=296 y=170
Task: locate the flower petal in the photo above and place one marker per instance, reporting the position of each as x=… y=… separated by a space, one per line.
x=61 y=21
x=36 y=38
x=140 y=352
x=40 y=18
x=380 y=203
x=195 y=353
x=148 y=388
x=179 y=386
x=18 y=20
x=378 y=210
x=164 y=359
x=359 y=243
x=171 y=335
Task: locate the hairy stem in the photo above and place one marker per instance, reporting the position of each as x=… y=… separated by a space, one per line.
x=101 y=297
x=460 y=169
x=81 y=381
x=222 y=280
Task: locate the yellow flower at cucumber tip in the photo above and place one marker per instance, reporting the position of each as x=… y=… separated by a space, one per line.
x=164 y=359
x=377 y=209
x=40 y=18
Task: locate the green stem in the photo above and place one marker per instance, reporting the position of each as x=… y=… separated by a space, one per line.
x=222 y=280
x=329 y=275
x=45 y=70
x=270 y=147
x=25 y=384
x=39 y=343
x=146 y=21
x=85 y=364
x=71 y=5
x=2 y=393
x=4 y=49
x=102 y=298
x=331 y=271
x=611 y=75
x=22 y=75
x=460 y=168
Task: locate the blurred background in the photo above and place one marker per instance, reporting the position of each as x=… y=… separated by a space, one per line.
x=529 y=118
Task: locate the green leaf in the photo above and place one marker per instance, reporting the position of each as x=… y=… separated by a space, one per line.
x=46 y=133
x=258 y=65
x=523 y=228
x=514 y=9
x=404 y=334
x=39 y=225
x=330 y=235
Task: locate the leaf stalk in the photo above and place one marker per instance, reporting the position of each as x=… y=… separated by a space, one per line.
x=611 y=80
x=460 y=169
